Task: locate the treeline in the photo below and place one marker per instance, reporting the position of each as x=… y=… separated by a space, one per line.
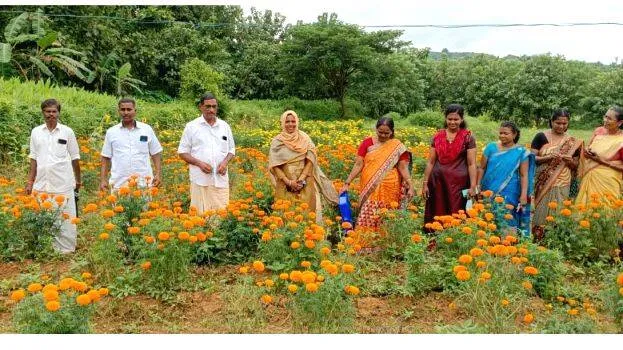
x=161 y=53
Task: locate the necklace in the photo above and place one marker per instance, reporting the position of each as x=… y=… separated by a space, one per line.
x=450 y=139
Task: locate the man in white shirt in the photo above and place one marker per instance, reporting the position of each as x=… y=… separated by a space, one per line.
x=55 y=169
x=207 y=145
x=127 y=148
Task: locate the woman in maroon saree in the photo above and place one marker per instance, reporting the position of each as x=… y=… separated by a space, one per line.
x=451 y=167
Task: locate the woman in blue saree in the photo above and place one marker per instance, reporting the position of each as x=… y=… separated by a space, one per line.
x=508 y=171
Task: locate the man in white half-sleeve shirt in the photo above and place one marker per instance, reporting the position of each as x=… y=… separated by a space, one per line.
x=207 y=145
x=55 y=169
x=127 y=148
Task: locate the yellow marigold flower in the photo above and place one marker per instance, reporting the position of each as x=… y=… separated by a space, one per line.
x=103 y=291
x=621 y=291
x=526 y=284
x=292 y=288
x=573 y=312
x=284 y=276
x=306 y=264
x=83 y=299
x=481 y=264
x=585 y=224
x=485 y=275
x=53 y=305
x=505 y=302
x=467 y=230
x=352 y=290
x=295 y=245
x=269 y=283
x=104 y=236
x=18 y=295
x=448 y=239
x=325 y=250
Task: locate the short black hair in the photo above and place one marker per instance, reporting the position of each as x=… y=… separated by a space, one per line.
x=49 y=103
x=512 y=126
x=207 y=96
x=127 y=100
x=617 y=110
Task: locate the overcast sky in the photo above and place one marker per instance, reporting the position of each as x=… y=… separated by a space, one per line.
x=588 y=43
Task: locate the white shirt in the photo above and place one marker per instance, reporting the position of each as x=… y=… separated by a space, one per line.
x=54 y=150
x=129 y=151
x=210 y=144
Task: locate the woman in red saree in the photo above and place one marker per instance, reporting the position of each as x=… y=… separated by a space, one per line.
x=451 y=167
x=383 y=162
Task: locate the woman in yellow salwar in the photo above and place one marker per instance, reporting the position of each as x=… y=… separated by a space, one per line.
x=294 y=170
x=601 y=163
x=383 y=162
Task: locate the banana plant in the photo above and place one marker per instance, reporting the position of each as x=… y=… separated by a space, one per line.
x=34 y=51
x=125 y=82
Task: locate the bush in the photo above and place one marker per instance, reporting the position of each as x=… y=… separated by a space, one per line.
x=427 y=118
x=197 y=77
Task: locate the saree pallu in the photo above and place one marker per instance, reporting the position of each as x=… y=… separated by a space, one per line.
x=292 y=164
x=599 y=180
x=553 y=179
x=502 y=177
x=381 y=183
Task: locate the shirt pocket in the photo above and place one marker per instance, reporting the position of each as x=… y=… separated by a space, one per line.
x=60 y=149
x=224 y=145
x=142 y=145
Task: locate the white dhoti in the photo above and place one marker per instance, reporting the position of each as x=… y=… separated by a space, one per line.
x=209 y=197
x=65 y=240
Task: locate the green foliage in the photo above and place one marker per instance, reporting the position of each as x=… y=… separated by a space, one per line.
x=197 y=77
x=31 y=317
x=400 y=225
x=35 y=230
x=428 y=118
x=328 y=310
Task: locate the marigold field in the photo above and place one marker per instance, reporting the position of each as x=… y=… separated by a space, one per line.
x=146 y=262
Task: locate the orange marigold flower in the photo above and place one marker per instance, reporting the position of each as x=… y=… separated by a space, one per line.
x=292 y=288
x=526 y=284
x=481 y=264
x=296 y=276
x=103 y=291
x=465 y=259
x=485 y=275
x=494 y=239
x=458 y=268
x=50 y=295
x=585 y=223
x=531 y=270
x=463 y=275
x=306 y=264
x=325 y=250
x=94 y=294
x=487 y=193
x=104 y=236
x=34 y=287
x=52 y=305
x=183 y=236
x=467 y=230
x=146 y=265
x=295 y=245
x=476 y=252
x=163 y=236
x=311 y=287
x=59 y=199
x=499 y=199
x=621 y=291
x=348 y=268
x=549 y=218
x=620 y=279
x=505 y=302
x=311 y=244
x=266 y=299
x=258 y=266
x=83 y=299
x=283 y=276
x=18 y=295
x=352 y=290
x=109 y=226
x=416 y=238
x=528 y=318
x=552 y=205
x=448 y=240
x=565 y=212
x=133 y=230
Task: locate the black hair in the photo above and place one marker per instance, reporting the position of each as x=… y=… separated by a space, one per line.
x=559 y=113
x=617 y=110
x=513 y=127
x=207 y=96
x=49 y=103
x=458 y=109
x=385 y=120
x=127 y=100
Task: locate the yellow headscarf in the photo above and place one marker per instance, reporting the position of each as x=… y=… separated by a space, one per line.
x=297 y=141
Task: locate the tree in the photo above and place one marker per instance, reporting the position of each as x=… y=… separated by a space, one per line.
x=321 y=59
x=36 y=51
x=125 y=82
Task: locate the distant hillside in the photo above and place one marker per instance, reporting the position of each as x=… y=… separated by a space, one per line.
x=455 y=55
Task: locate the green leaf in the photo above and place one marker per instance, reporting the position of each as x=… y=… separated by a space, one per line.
x=124 y=71
x=41 y=66
x=47 y=40
x=5 y=53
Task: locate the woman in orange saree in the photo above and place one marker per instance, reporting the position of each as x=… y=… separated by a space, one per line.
x=601 y=163
x=383 y=163
x=557 y=157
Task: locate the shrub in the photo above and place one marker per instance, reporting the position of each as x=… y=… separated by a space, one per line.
x=429 y=118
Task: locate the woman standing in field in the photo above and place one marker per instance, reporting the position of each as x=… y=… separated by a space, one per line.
x=601 y=163
x=507 y=170
x=451 y=167
x=293 y=167
x=383 y=162
x=557 y=157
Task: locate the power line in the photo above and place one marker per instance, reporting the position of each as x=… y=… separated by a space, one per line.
x=437 y=26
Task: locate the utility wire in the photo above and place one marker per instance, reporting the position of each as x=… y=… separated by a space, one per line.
x=438 y=26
